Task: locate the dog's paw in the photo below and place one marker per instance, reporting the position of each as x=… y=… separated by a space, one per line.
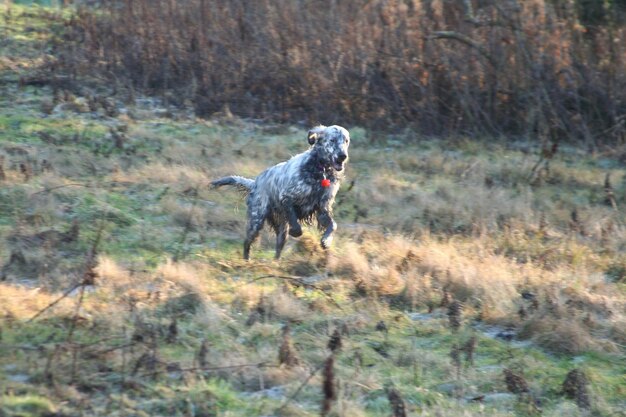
x=326 y=242
x=295 y=231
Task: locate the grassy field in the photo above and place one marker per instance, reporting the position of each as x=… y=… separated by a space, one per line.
x=468 y=278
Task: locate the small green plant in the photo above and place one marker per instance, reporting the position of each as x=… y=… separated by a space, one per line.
x=26 y=405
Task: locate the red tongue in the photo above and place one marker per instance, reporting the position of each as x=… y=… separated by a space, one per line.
x=325 y=182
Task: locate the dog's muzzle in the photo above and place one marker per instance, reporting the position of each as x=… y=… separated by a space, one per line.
x=339 y=160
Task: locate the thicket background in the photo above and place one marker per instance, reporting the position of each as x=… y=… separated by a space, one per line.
x=553 y=70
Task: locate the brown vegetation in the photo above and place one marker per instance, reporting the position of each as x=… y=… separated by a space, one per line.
x=398 y=407
x=329 y=388
x=546 y=69
x=287 y=354
x=576 y=386
x=515 y=383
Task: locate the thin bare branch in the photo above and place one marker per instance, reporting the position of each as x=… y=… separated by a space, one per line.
x=466 y=40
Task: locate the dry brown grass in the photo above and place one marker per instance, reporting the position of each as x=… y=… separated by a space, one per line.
x=182 y=176
x=23 y=303
x=576 y=314
x=566 y=336
x=428 y=266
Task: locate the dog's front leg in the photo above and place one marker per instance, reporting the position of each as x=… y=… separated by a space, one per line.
x=295 y=229
x=325 y=220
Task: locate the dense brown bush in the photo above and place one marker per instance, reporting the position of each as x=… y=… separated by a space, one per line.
x=550 y=70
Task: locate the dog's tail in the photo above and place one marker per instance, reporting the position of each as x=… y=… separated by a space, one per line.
x=244 y=184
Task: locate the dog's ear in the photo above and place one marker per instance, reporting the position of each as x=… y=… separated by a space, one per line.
x=312 y=137
x=314 y=134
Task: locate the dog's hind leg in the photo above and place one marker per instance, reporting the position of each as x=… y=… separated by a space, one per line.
x=281 y=238
x=252 y=232
x=256 y=217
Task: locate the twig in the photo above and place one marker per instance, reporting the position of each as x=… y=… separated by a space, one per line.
x=211 y=368
x=113 y=349
x=535 y=169
x=295 y=394
x=468 y=10
x=77 y=184
x=124 y=364
x=79 y=303
x=297 y=280
x=219 y=368
x=98 y=342
x=187 y=228
x=49 y=378
x=87 y=279
x=21 y=347
x=47 y=190
x=55 y=302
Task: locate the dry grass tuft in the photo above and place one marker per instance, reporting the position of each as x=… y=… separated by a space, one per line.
x=308 y=258
x=184 y=275
x=114 y=276
x=19 y=302
x=351 y=263
x=572 y=321
x=285 y=306
x=564 y=336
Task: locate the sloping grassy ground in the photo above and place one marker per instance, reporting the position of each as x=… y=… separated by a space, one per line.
x=123 y=291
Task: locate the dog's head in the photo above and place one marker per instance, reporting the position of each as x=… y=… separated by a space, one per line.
x=331 y=145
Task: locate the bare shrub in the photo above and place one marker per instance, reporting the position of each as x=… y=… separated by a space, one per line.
x=285 y=306
x=516 y=67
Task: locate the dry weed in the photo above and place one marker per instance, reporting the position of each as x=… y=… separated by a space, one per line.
x=23 y=303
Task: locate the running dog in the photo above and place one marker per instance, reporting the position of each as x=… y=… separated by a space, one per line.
x=297 y=190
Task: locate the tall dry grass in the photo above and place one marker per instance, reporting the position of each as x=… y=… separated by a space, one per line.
x=548 y=69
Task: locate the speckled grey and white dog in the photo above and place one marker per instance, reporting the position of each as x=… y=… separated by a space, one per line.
x=296 y=190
